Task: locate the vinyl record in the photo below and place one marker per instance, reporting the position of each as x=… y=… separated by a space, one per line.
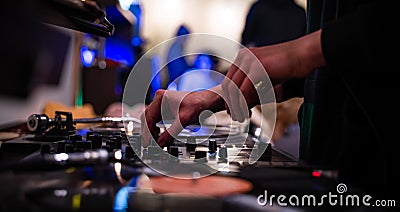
x=213 y=186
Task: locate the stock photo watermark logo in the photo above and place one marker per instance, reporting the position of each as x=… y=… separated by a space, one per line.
x=339 y=198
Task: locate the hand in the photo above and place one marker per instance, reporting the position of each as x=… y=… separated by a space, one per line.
x=257 y=70
x=183 y=107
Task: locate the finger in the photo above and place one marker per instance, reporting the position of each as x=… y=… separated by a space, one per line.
x=150 y=117
x=149 y=128
x=234 y=66
x=236 y=100
x=225 y=86
x=144 y=130
x=251 y=96
x=168 y=135
x=231 y=72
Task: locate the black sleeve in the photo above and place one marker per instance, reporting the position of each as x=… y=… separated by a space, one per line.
x=293 y=88
x=249 y=26
x=365 y=38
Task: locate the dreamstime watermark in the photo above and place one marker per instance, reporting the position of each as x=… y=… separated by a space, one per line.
x=338 y=198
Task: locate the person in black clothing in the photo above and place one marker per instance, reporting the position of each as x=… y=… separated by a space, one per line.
x=270 y=22
x=349 y=49
x=177 y=63
x=273 y=21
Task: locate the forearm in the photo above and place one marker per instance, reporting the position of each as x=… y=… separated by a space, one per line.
x=309 y=53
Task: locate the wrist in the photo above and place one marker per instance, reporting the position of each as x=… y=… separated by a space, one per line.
x=311 y=55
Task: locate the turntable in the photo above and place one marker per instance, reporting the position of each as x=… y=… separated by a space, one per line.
x=49 y=164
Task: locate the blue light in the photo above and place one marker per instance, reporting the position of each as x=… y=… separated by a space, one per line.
x=89 y=171
x=136 y=41
x=118 y=89
x=87 y=56
x=119 y=51
x=122 y=196
x=82 y=132
x=121 y=199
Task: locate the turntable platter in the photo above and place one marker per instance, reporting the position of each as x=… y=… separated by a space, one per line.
x=215 y=186
x=4 y=136
x=205 y=131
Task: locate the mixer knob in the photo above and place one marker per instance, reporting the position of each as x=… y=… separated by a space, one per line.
x=190 y=147
x=61 y=146
x=154 y=152
x=113 y=143
x=191 y=139
x=129 y=153
x=212 y=145
x=174 y=151
x=81 y=146
x=37 y=123
x=117 y=133
x=117 y=141
x=74 y=138
x=135 y=141
x=223 y=154
x=97 y=140
x=69 y=148
x=200 y=156
x=191 y=144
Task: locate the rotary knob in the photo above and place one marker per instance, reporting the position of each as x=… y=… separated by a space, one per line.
x=37 y=123
x=174 y=151
x=200 y=156
x=191 y=144
x=97 y=140
x=223 y=154
x=212 y=145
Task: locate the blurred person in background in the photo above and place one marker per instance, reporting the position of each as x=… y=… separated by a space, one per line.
x=176 y=60
x=273 y=21
x=203 y=75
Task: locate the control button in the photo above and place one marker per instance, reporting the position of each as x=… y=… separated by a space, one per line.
x=129 y=153
x=117 y=141
x=37 y=123
x=212 y=145
x=69 y=148
x=174 y=151
x=74 y=138
x=223 y=154
x=191 y=144
x=135 y=141
x=61 y=146
x=200 y=156
x=81 y=146
x=97 y=140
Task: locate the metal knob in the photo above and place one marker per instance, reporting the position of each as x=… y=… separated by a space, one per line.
x=37 y=123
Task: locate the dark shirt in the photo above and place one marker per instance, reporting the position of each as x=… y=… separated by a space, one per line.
x=353 y=122
x=273 y=21
x=359 y=49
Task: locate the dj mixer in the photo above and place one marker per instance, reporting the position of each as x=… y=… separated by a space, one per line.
x=101 y=164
